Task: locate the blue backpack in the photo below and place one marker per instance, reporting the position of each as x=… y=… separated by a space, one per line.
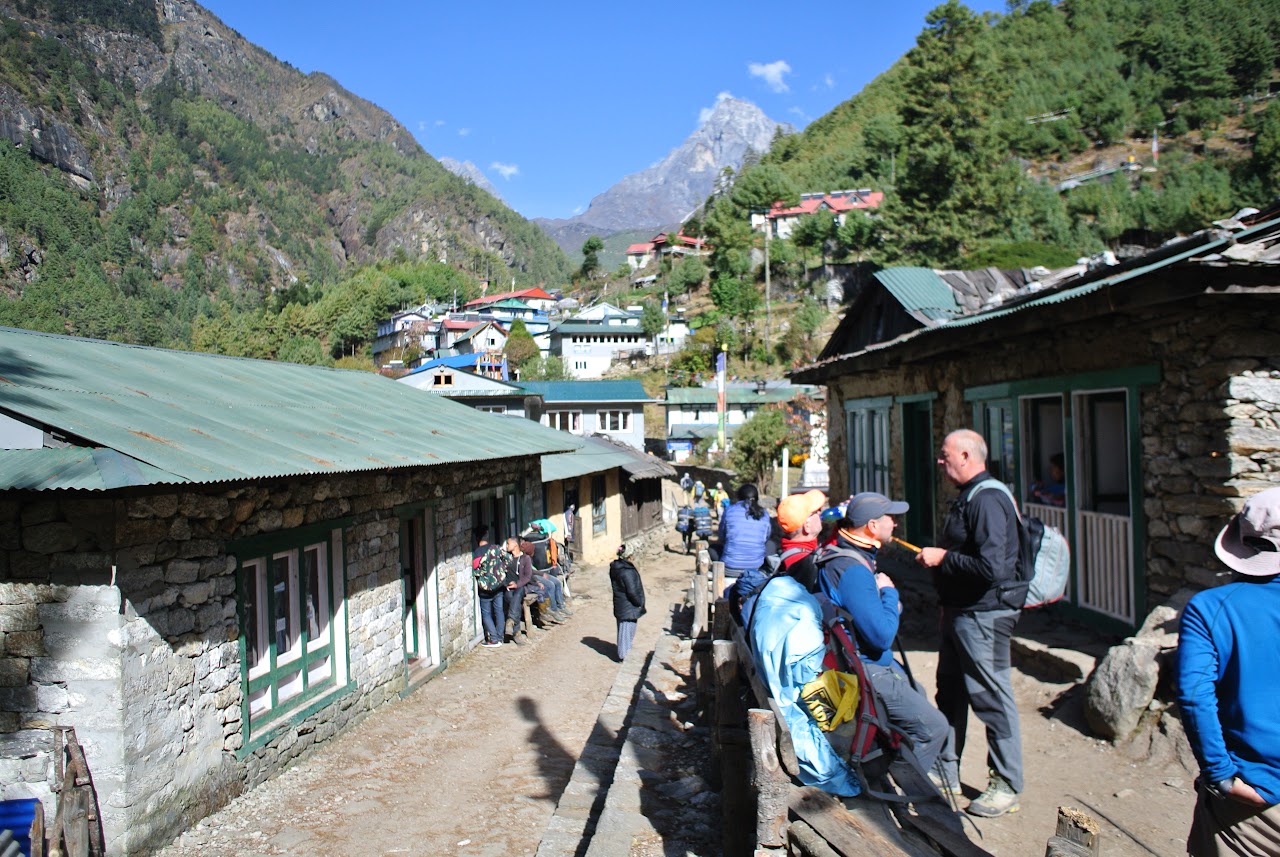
x=1044 y=557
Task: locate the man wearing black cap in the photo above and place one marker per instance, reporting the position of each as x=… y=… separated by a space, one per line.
x=976 y=574
x=848 y=577
x=1226 y=688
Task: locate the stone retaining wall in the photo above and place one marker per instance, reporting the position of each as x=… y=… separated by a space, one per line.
x=118 y=615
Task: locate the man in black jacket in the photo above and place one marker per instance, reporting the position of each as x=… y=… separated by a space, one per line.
x=628 y=597
x=975 y=572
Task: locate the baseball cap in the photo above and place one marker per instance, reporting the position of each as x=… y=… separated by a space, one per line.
x=1250 y=542
x=795 y=509
x=870 y=505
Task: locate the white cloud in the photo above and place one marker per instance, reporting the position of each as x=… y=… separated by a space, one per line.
x=462 y=132
x=422 y=126
x=829 y=80
x=705 y=113
x=439 y=122
x=796 y=111
x=505 y=170
x=771 y=73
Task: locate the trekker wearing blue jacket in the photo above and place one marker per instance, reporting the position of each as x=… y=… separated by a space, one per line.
x=1226 y=688
x=848 y=577
x=744 y=528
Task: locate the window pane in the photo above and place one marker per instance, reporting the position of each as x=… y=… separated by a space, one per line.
x=317 y=594
x=290 y=685
x=255 y=615
x=285 y=608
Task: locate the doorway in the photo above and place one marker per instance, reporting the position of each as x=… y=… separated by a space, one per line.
x=1104 y=513
x=919 y=472
x=421 y=605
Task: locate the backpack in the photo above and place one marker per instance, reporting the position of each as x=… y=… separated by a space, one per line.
x=698 y=490
x=489 y=570
x=684 y=519
x=1044 y=557
x=776 y=562
x=702 y=521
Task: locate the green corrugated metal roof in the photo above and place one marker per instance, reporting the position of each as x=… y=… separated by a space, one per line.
x=921 y=290
x=74 y=467
x=594 y=456
x=206 y=418
x=733 y=395
x=587 y=391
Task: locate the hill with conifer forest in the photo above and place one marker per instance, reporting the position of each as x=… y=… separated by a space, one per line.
x=169 y=183
x=1054 y=131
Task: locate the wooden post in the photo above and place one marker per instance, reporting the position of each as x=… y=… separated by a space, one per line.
x=735 y=793
x=1076 y=836
x=806 y=842
x=729 y=709
x=701 y=617
x=717 y=581
x=772 y=786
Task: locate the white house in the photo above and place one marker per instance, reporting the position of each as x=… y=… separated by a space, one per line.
x=692 y=414
x=612 y=408
x=407 y=332
x=782 y=219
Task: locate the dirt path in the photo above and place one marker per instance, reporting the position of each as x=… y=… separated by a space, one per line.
x=473 y=763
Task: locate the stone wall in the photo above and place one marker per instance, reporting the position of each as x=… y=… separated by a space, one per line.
x=1209 y=428
x=118 y=615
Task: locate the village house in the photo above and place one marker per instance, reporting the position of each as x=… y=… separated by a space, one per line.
x=409 y=336
x=210 y=565
x=612 y=408
x=592 y=340
x=1155 y=381
x=781 y=219
x=603 y=494
x=692 y=414
x=665 y=244
x=535 y=298
x=476 y=391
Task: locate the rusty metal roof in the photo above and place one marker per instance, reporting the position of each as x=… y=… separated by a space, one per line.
x=188 y=417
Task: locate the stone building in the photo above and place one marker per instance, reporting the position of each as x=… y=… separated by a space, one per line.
x=1157 y=381
x=209 y=565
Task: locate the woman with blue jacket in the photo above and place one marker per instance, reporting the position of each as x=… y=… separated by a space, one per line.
x=744 y=529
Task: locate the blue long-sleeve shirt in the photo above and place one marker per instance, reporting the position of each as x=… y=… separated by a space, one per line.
x=1227 y=666
x=742 y=537
x=851 y=585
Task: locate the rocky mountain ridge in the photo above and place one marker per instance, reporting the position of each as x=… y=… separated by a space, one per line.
x=666 y=193
x=374 y=191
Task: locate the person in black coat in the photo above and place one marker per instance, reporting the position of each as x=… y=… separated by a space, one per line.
x=628 y=597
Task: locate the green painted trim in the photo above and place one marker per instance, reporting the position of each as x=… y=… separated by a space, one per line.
x=874 y=403
x=485 y=493
x=915 y=398
x=411 y=686
x=252 y=546
x=408 y=510
x=295 y=717
x=1131 y=376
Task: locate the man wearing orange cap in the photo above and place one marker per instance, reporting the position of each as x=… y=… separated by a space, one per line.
x=799 y=516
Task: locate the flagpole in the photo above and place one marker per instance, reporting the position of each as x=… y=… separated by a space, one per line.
x=720 y=369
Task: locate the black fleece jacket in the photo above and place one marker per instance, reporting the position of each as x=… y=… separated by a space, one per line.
x=980 y=570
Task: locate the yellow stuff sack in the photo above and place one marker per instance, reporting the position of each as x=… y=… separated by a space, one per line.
x=832 y=699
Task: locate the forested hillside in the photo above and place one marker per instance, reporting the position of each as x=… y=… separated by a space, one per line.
x=171 y=184
x=975 y=131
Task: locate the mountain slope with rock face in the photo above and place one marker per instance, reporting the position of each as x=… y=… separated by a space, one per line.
x=668 y=192
x=191 y=161
x=469 y=171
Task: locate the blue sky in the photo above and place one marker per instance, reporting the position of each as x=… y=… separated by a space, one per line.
x=557 y=101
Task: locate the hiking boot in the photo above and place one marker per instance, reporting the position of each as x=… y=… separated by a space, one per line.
x=519 y=639
x=999 y=799
x=560 y=615
x=510 y=627
x=949 y=786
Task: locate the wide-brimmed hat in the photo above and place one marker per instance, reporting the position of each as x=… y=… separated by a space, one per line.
x=869 y=505
x=1250 y=542
x=795 y=509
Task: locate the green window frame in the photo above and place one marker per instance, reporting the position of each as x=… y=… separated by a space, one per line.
x=293 y=640
x=867 y=438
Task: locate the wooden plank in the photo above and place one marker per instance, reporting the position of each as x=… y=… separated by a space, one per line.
x=853 y=834
x=804 y=840
x=717 y=581
x=1075 y=836
x=747 y=669
x=730 y=712
x=771 y=784
x=37 y=831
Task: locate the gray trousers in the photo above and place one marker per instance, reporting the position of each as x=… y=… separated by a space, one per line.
x=626 y=636
x=910 y=710
x=974 y=671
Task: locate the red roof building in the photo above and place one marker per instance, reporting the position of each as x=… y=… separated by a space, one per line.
x=783 y=218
